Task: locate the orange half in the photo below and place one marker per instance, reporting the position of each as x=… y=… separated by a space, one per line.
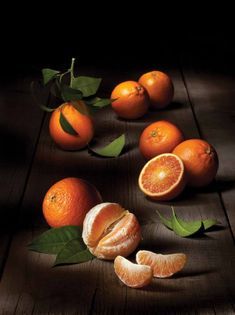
x=163 y=177
x=163 y=265
x=132 y=275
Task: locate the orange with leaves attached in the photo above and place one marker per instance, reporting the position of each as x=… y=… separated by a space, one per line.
x=79 y=120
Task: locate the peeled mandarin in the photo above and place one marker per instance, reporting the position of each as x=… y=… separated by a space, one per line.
x=109 y=230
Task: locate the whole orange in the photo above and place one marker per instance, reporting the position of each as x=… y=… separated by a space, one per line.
x=130 y=100
x=68 y=201
x=159 y=137
x=80 y=122
x=200 y=161
x=159 y=87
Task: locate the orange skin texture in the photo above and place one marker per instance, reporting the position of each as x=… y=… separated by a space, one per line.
x=132 y=275
x=163 y=266
x=109 y=231
x=159 y=137
x=68 y=201
x=163 y=177
x=131 y=100
x=200 y=161
x=81 y=123
x=159 y=87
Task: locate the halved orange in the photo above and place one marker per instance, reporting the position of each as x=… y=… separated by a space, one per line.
x=163 y=265
x=132 y=275
x=163 y=177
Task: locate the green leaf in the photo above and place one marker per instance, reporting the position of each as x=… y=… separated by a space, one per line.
x=55 y=89
x=98 y=102
x=166 y=222
x=183 y=228
x=208 y=223
x=48 y=75
x=113 y=149
x=69 y=94
x=80 y=107
x=74 y=252
x=66 y=125
x=53 y=240
x=87 y=85
x=102 y=102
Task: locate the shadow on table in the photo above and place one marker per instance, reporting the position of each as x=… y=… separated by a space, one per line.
x=13 y=147
x=153 y=115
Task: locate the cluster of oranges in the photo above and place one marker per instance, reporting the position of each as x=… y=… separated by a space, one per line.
x=174 y=162
x=110 y=231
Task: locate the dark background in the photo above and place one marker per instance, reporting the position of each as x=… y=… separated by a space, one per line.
x=116 y=35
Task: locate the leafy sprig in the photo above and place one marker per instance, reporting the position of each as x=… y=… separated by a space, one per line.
x=186 y=228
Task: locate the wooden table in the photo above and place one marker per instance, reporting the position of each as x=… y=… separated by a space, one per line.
x=30 y=163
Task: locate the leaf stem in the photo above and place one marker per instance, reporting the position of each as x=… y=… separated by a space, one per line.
x=71 y=70
x=61 y=76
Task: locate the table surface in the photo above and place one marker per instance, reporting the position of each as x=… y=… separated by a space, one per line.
x=30 y=163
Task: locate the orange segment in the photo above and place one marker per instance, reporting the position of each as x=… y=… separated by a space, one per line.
x=163 y=265
x=99 y=219
x=162 y=178
x=132 y=275
x=123 y=238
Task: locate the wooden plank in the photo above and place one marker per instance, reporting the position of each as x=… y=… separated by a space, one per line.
x=20 y=123
x=29 y=284
x=212 y=95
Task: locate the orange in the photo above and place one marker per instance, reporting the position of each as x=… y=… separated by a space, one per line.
x=130 y=100
x=200 y=161
x=162 y=178
x=68 y=201
x=163 y=265
x=81 y=123
x=132 y=275
x=159 y=137
x=109 y=231
x=159 y=87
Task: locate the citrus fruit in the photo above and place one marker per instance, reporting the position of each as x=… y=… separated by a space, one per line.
x=163 y=265
x=130 y=100
x=162 y=178
x=80 y=122
x=68 y=201
x=132 y=275
x=159 y=137
x=109 y=231
x=159 y=87
x=200 y=161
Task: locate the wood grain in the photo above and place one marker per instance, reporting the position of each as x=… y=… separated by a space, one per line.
x=20 y=123
x=206 y=286
x=212 y=96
